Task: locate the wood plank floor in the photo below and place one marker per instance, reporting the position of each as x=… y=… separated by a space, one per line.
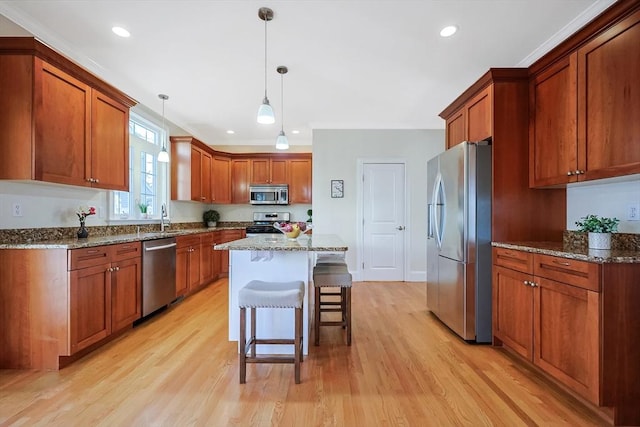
x=403 y=369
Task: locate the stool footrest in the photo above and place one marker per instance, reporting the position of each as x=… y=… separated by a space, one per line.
x=332 y=323
x=271 y=359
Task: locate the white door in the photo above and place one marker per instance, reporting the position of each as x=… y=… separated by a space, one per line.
x=383 y=216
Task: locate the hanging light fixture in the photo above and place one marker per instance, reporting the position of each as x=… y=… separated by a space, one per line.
x=282 y=143
x=163 y=156
x=265 y=112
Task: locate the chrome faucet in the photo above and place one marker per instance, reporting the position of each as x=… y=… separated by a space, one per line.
x=162 y=218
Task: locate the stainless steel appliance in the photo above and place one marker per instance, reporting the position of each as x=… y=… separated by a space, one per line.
x=158 y=274
x=263 y=223
x=277 y=194
x=459 y=239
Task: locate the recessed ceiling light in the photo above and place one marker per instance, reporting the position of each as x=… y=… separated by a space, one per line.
x=448 y=31
x=295 y=131
x=120 y=31
x=230 y=132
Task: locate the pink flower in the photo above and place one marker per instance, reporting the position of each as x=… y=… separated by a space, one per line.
x=84 y=212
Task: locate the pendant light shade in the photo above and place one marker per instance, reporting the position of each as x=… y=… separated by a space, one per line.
x=282 y=143
x=163 y=155
x=265 y=112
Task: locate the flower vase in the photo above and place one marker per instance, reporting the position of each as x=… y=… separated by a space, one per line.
x=83 y=233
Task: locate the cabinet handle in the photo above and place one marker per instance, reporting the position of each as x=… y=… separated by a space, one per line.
x=109 y=269
x=566 y=264
x=96 y=180
x=526 y=282
x=569 y=173
x=579 y=172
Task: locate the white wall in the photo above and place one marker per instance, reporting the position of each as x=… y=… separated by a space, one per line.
x=609 y=198
x=335 y=156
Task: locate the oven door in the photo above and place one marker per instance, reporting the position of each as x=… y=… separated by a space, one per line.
x=263 y=196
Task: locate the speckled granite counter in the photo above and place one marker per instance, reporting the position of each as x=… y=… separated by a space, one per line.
x=74 y=243
x=565 y=251
x=314 y=242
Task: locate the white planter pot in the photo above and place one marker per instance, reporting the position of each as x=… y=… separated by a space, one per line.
x=599 y=240
x=212 y=224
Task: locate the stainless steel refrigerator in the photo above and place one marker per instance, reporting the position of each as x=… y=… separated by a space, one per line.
x=459 y=239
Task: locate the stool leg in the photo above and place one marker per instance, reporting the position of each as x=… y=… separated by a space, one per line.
x=343 y=306
x=316 y=312
x=298 y=342
x=253 y=331
x=243 y=345
x=348 y=315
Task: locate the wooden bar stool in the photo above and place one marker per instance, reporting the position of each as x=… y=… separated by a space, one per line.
x=332 y=276
x=259 y=294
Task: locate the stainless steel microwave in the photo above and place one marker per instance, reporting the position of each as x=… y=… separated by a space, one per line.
x=269 y=194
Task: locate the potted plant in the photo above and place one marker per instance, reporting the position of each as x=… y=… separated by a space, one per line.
x=143 y=209
x=599 y=229
x=210 y=217
x=309 y=212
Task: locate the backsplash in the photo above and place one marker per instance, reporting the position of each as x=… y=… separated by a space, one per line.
x=28 y=235
x=620 y=241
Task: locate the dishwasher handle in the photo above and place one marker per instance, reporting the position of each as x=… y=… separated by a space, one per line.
x=158 y=248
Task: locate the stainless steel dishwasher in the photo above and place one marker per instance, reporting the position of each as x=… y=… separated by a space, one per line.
x=158 y=274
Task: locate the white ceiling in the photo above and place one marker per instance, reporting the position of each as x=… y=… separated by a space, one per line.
x=353 y=64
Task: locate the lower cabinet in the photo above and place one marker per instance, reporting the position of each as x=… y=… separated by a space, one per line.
x=575 y=321
x=105 y=292
x=228 y=236
x=187 y=264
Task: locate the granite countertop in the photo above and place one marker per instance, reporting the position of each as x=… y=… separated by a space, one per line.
x=565 y=251
x=75 y=243
x=314 y=242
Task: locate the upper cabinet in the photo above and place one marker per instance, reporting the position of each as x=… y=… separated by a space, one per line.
x=299 y=180
x=269 y=171
x=60 y=124
x=190 y=170
x=472 y=120
x=496 y=107
x=585 y=101
x=221 y=179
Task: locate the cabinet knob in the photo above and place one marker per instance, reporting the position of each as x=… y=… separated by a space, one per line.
x=569 y=173
x=526 y=282
x=579 y=172
x=96 y=180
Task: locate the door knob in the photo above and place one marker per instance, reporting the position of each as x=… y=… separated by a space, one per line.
x=400 y=227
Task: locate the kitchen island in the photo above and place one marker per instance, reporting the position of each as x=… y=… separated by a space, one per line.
x=275 y=259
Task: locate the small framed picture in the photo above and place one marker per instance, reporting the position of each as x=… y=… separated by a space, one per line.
x=337 y=188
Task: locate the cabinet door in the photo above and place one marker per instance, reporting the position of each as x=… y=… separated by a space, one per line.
x=260 y=171
x=279 y=171
x=456 y=128
x=62 y=128
x=299 y=181
x=194 y=267
x=182 y=271
x=240 y=175
x=89 y=306
x=609 y=102
x=221 y=179
x=479 y=116
x=126 y=293
x=513 y=310
x=553 y=129
x=109 y=143
x=228 y=236
x=206 y=258
x=216 y=263
x=206 y=193
x=566 y=330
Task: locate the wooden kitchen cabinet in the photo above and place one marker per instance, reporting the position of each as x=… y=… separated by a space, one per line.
x=61 y=124
x=126 y=285
x=206 y=258
x=553 y=131
x=240 y=180
x=228 y=236
x=187 y=264
x=299 y=181
x=191 y=167
x=269 y=171
x=221 y=179
x=553 y=324
x=583 y=112
x=472 y=122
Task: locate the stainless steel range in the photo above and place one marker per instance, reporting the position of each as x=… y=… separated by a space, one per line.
x=263 y=223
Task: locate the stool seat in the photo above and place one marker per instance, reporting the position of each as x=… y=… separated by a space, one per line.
x=330 y=259
x=258 y=293
x=331 y=275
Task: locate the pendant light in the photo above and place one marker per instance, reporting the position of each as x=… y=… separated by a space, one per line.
x=282 y=143
x=163 y=156
x=265 y=112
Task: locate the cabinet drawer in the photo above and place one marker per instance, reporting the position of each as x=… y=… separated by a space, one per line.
x=582 y=274
x=88 y=257
x=124 y=251
x=515 y=260
x=186 y=241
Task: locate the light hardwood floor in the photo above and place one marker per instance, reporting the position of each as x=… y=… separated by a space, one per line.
x=403 y=369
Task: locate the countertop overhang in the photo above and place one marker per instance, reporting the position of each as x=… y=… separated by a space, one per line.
x=314 y=242
x=560 y=250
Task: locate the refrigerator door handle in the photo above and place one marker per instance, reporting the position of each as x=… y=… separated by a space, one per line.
x=430 y=220
x=438 y=198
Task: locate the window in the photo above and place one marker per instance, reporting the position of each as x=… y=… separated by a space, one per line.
x=148 y=179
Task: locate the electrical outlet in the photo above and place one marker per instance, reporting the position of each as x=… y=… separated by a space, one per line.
x=16 y=210
x=633 y=211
